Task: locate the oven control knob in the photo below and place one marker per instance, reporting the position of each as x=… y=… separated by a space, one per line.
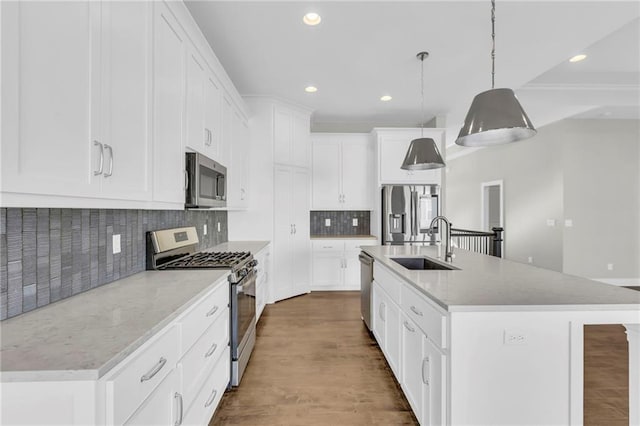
x=242 y=272
x=253 y=263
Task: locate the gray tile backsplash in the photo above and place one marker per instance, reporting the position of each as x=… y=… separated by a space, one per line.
x=341 y=222
x=49 y=254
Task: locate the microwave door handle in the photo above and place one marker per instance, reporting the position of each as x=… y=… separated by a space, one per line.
x=186 y=180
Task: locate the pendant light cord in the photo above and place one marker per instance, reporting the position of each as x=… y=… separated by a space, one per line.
x=422 y=97
x=493 y=44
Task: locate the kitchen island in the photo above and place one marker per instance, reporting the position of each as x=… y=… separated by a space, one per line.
x=494 y=341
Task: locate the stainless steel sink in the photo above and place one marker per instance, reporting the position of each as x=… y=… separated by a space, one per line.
x=422 y=264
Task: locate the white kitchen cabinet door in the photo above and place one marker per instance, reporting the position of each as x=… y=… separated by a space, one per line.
x=212 y=117
x=282 y=135
x=411 y=378
x=126 y=106
x=194 y=117
x=237 y=173
x=227 y=132
x=351 y=270
x=434 y=378
x=392 y=148
x=379 y=310
x=357 y=181
x=301 y=242
x=328 y=271
x=283 y=231
x=162 y=407
x=392 y=341
x=168 y=99
x=326 y=177
x=49 y=76
x=300 y=140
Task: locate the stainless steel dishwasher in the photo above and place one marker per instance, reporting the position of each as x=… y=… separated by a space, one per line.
x=366 y=279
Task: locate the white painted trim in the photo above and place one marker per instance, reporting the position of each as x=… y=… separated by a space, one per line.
x=484 y=206
x=576 y=373
x=621 y=282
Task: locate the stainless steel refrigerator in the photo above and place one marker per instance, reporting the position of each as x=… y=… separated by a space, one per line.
x=407 y=211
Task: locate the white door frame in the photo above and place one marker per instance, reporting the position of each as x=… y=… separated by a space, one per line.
x=484 y=205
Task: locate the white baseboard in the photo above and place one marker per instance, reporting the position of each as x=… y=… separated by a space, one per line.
x=335 y=288
x=621 y=282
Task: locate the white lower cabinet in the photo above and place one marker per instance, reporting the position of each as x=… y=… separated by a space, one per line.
x=263 y=270
x=401 y=321
x=335 y=264
x=210 y=394
x=161 y=407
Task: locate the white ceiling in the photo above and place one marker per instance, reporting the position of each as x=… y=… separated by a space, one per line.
x=365 y=49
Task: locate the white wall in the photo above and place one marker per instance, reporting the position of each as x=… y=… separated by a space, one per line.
x=584 y=170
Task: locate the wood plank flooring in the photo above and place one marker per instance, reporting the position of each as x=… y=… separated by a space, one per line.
x=314 y=363
x=606 y=376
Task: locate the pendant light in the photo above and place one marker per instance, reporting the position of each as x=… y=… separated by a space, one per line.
x=423 y=153
x=495 y=116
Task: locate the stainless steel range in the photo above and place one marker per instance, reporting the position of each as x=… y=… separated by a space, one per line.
x=176 y=249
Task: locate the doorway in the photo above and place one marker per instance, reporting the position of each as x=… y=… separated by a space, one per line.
x=492 y=205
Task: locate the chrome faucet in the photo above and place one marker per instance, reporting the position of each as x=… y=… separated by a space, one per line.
x=448 y=253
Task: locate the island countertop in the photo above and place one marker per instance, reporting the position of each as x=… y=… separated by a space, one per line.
x=488 y=283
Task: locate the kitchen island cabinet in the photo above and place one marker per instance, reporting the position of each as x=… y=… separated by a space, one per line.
x=494 y=342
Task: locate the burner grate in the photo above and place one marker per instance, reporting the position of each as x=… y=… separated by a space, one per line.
x=208 y=260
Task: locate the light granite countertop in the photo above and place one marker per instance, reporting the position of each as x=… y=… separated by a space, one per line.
x=487 y=283
x=85 y=336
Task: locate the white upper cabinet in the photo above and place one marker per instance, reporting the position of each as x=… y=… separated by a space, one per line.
x=213 y=118
x=238 y=171
x=291 y=137
x=75 y=102
x=169 y=53
x=342 y=172
x=392 y=147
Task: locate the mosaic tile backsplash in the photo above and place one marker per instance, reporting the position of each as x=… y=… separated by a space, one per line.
x=341 y=222
x=50 y=254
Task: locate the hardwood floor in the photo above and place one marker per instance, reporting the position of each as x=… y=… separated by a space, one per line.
x=606 y=376
x=315 y=364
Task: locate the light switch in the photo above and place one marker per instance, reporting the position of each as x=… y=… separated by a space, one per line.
x=116 y=244
x=610 y=266
x=530 y=259
x=204 y=229
x=551 y=222
x=568 y=223
x=327 y=222
x=219 y=227
x=355 y=221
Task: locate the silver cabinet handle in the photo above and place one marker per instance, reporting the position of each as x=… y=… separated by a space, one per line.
x=344 y=198
x=242 y=192
x=408 y=327
x=154 y=370
x=416 y=311
x=186 y=180
x=295 y=231
x=425 y=371
x=177 y=396
x=291 y=229
x=110 y=148
x=99 y=171
x=211 y=350
x=211 y=398
x=212 y=311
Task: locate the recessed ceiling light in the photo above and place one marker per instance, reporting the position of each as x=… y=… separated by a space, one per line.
x=311 y=18
x=577 y=58
x=385 y=98
x=310 y=89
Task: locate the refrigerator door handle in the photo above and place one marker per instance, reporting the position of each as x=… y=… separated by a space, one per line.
x=414 y=214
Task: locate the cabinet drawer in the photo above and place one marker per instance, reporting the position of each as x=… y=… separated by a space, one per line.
x=203 y=354
x=432 y=322
x=203 y=315
x=140 y=375
x=324 y=246
x=210 y=394
x=354 y=245
x=389 y=283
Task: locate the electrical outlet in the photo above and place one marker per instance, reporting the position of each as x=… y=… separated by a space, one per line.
x=514 y=337
x=116 y=244
x=530 y=259
x=219 y=228
x=204 y=229
x=327 y=222
x=551 y=222
x=354 y=221
x=610 y=266
x=568 y=223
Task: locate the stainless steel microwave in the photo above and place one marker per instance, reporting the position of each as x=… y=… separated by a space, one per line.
x=206 y=182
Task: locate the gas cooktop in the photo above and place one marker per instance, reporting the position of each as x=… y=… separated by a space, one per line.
x=207 y=260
